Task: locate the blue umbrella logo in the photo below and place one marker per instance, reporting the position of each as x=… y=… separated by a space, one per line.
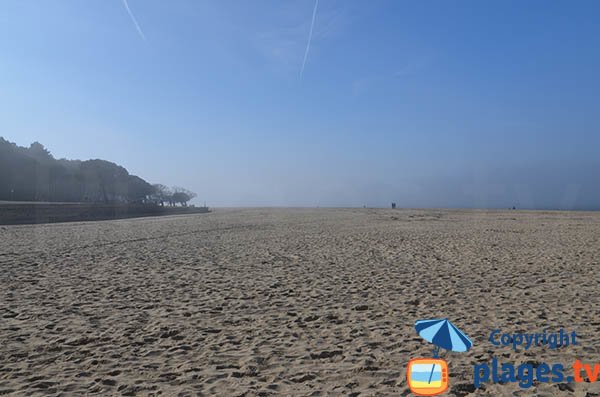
x=444 y=335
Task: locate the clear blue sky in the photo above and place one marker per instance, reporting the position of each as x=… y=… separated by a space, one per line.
x=426 y=103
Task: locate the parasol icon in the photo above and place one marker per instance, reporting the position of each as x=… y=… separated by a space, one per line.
x=444 y=335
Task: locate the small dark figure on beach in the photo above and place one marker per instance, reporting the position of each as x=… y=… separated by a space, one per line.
x=393 y=206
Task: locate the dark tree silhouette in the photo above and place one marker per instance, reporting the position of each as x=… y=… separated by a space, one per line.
x=33 y=174
x=182 y=196
x=160 y=194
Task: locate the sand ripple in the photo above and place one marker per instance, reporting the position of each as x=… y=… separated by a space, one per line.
x=287 y=302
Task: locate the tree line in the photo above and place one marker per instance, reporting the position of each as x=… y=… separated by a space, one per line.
x=33 y=174
x=162 y=194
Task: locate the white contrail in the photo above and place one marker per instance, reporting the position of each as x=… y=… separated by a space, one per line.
x=137 y=26
x=312 y=25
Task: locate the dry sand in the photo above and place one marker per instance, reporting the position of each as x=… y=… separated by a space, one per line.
x=288 y=301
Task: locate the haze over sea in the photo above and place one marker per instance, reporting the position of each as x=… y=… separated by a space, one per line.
x=336 y=103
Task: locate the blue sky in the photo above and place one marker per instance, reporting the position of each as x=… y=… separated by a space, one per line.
x=425 y=103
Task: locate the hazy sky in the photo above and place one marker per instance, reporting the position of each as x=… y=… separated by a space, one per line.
x=425 y=103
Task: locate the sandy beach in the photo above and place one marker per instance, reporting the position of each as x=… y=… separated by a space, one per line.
x=307 y=302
